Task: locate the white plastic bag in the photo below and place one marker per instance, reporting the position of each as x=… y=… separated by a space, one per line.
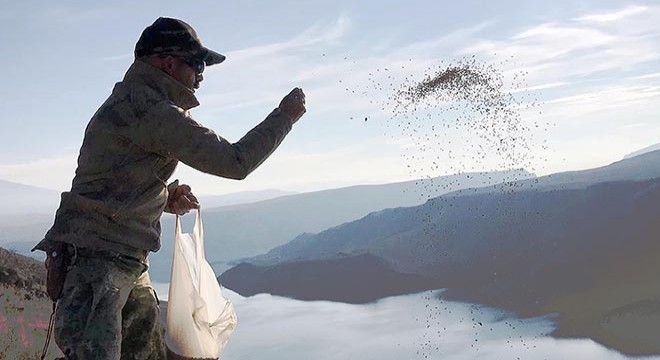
x=199 y=319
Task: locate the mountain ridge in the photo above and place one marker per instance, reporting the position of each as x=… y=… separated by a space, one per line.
x=641 y=151
x=528 y=250
x=249 y=229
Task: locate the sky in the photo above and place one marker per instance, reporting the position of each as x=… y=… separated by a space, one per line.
x=591 y=68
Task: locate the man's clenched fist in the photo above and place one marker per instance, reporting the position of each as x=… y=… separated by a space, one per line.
x=182 y=201
x=294 y=104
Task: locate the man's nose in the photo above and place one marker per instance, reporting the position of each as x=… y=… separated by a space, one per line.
x=200 y=77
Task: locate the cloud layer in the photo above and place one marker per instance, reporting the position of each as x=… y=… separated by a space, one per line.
x=415 y=326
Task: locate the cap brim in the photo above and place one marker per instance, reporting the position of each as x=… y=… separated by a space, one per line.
x=212 y=57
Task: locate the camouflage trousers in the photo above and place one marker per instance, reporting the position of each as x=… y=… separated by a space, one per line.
x=108 y=310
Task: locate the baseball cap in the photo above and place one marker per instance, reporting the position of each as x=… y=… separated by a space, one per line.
x=168 y=35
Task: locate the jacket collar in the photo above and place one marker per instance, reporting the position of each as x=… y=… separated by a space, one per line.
x=162 y=83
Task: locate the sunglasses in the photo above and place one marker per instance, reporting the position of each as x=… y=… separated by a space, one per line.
x=195 y=64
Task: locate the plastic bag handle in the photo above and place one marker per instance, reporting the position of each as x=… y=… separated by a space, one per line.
x=198 y=229
x=177 y=225
x=199 y=251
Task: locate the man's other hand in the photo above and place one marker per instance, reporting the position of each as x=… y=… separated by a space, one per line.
x=294 y=104
x=182 y=201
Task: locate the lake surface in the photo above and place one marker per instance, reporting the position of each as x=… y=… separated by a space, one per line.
x=417 y=326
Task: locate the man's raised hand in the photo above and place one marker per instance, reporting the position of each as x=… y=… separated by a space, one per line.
x=294 y=104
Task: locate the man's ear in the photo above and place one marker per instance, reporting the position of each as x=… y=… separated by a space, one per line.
x=169 y=65
x=166 y=64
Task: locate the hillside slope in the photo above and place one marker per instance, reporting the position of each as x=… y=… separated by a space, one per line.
x=24 y=308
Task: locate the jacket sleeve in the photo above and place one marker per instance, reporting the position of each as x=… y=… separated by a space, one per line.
x=169 y=131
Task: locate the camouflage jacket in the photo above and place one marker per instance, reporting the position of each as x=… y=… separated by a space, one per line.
x=131 y=147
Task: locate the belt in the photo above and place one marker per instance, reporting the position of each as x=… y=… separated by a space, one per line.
x=104 y=254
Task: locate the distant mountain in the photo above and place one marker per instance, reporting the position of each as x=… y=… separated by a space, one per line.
x=20 y=230
x=25 y=199
x=27 y=215
x=586 y=249
x=643 y=151
x=244 y=197
x=642 y=167
x=245 y=230
x=312 y=246
x=454 y=235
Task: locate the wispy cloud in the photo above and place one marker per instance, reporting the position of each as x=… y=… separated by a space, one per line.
x=117 y=57
x=60 y=172
x=90 y=14
x=615 y=15
x=337 y=78
x=601 y=104
x=317 y=34
x=610 y=97
x=540 y=87
x=566 y=51
x=634 y=126
x=646 y=76
x=274 y=69
x=441 y=46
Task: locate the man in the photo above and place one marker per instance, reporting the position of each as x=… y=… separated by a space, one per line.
x=109 y=221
